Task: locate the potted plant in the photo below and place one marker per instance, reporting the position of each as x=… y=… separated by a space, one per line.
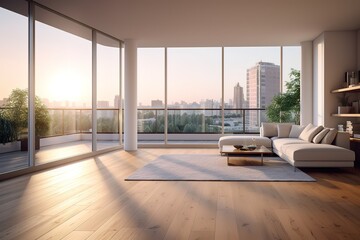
x=7 y=130
x=16 y=111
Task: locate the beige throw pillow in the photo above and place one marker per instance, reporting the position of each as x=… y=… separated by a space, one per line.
x=320 y=135
x=296 y=131
x=283 y=130
x=330 y=136
x=310 y=132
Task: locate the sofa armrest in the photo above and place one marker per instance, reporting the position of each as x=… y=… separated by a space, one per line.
x=342 y=140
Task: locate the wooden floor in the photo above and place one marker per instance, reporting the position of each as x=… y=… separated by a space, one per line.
x=16 y=160
x=91 y=200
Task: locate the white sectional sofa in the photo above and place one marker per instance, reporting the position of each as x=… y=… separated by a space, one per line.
x=301 y=146
x=310 y=146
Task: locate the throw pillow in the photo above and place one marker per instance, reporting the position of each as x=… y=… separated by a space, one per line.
x=309 y=132
x=304 y=134
x=283 y=130
x=330 y=136
x=320 y=135
x=295 y=131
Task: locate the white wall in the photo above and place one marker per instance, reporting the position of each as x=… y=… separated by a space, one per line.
x=306 y=92
x=318 y=81
x=334 y=54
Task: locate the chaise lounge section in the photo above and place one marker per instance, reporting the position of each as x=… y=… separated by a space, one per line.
x=300 y=146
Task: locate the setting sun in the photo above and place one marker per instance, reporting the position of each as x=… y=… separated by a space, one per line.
x=65 y=86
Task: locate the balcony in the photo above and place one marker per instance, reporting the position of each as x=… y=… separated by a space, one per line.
x=70 y=131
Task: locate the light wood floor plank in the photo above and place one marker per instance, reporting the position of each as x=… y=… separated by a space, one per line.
x=90 y=200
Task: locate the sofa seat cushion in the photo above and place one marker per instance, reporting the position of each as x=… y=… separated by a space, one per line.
x=315 y=152
x=244 y=140
x=278 y=143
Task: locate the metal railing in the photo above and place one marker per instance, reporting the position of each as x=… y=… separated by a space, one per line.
x=201 y=120
x=66 y=121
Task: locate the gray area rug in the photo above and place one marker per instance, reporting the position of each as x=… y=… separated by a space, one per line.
x=210 y=167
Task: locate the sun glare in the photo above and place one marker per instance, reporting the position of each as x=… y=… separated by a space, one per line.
x=65 y=86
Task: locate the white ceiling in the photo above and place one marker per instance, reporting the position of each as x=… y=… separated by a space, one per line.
x=213 y=22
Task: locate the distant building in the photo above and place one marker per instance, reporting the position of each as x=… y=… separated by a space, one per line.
x=263 y=83
x=3 y=102
x=238 y=97
x=117 y=101
x=157 y=103
x=103 y=104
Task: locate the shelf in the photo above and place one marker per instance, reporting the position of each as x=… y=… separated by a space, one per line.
x=346 y=115
x=348 y=89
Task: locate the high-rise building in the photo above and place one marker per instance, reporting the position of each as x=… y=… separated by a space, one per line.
x=263 y=83
x=117 y=101
x=238 y=101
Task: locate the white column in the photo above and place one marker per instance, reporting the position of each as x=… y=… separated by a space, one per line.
x=130 y=108
x=306 y=83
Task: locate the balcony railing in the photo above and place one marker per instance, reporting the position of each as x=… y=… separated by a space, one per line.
x=66 y=121
x=200 y=120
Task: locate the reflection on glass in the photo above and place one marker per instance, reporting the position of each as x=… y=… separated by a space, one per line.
x=108 y=91
x=63 y=85
x=13 y=88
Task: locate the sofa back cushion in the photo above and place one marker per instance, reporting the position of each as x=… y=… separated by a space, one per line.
x=330 y=136
x=269 y=129
x=310 y=132
x=295 y=131
x=320 y=135
x=283 y=130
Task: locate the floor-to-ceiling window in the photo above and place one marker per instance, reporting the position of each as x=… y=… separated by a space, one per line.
x=291 y=63
x=151 y=94
x=63 y=54
x=14 y=87
x=108 y=91
x=193 y=91
x=47 y=63
x=212 y=90
x=252 y=79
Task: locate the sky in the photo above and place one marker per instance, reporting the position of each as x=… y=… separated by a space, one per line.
x=194 y=74
x=62 y=63
x=63 y=66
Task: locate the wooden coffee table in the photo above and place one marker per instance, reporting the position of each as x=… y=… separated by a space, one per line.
x=231 y=151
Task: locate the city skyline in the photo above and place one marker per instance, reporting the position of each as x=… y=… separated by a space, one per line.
x=197 y=85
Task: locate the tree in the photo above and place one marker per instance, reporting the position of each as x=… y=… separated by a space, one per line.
x=285 y=107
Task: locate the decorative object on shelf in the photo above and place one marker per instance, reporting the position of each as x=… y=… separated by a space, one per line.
x=351 y=78
x=344 y=108
x=355 y=107
x=349 y=127
x=340 y=128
